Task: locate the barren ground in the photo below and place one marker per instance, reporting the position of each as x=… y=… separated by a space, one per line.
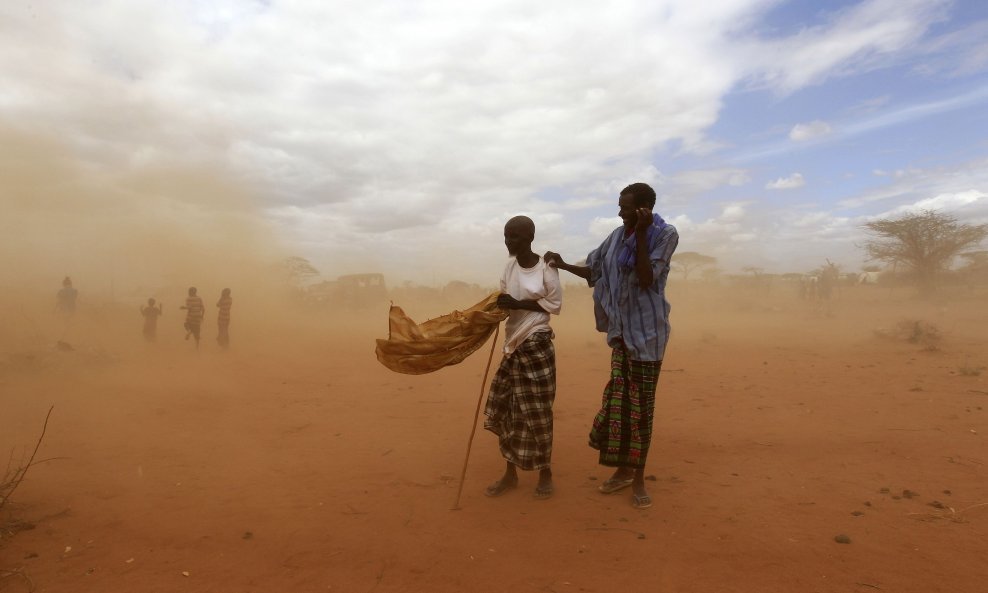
x=295 y=462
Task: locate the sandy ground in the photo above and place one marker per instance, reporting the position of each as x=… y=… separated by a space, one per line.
x=295 y=462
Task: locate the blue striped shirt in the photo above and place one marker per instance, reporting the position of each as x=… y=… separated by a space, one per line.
x=626 y=312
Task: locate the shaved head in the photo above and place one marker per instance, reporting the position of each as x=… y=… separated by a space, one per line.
x=522 y=224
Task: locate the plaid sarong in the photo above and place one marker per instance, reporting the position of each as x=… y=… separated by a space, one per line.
x=519 y=404
x=622 y=429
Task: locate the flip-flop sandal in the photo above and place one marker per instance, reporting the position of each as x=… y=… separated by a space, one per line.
x=543 y=493
x=611 y=486
x=641 y=502
x=498 y=488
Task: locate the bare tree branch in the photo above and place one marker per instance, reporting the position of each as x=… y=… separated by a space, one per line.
x=7 y=489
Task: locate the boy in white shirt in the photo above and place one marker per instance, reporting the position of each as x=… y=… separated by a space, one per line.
x=519 y=404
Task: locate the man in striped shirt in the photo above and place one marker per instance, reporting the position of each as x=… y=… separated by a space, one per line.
x=628 y=273
x=194 y=312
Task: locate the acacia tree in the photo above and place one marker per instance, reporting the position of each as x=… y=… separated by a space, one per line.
x=926 y=243
x=297 y=271
x=688 y=261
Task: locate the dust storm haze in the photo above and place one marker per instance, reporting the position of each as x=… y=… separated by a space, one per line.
x=294 y=461
x=805 y=439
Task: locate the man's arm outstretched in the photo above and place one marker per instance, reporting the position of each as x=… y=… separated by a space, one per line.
x=555 y=260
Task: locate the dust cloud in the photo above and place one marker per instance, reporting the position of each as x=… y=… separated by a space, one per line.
x=294 y=461
x=123 y=235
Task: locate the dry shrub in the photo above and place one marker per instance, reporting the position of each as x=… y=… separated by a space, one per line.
x=915 y=331
x=15 y=472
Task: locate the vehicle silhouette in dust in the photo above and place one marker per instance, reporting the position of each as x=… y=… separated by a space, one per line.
x=353 y=291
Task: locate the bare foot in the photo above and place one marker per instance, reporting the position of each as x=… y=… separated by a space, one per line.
x=544 y=489
x=501 y=486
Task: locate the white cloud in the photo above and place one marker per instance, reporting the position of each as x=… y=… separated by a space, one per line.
x=383 y=133
x=601 y=227
x=869 y=105
x=702 y=180
x=584 y=203
x=809 y=131
x=910 y=185
x=957 y=52
x=794 y=181
x=877 y=121
x=732 y=212
x=810 y=220
x=855 y=39
x=971 y=201
x=898 y=173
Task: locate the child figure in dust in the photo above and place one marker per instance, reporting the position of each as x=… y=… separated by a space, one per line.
x=65 y=299
x=65 y=307
x=151 y=313
x=195 y=310
x=223 y=318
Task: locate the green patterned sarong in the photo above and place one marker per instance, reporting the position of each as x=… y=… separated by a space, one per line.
x=622 y=429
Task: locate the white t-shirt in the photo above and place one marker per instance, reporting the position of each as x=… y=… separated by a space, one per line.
x=539 y=283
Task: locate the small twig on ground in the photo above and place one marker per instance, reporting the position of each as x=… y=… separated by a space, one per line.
x=955 y=516
x=973 y=506
x=868 y=585
x=978 y=391
x=18 y=572
x=380 y=574
x=960 y=461
x=47 y=459
x=638 y=533
x=60 y=514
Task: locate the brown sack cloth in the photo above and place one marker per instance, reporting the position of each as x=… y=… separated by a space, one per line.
x=416 y=349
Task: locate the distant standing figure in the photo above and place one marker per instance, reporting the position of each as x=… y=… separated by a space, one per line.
x=65 y=300
x=825 y=285
x=194 y=312
x=223 y=318
x=151 y=314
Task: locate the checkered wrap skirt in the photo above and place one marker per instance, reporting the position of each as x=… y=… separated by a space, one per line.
x=622 y=429
x=519 y=404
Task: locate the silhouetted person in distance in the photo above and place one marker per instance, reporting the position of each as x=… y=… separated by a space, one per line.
x=519 y=404
x=66 y=297
x=151 y=313
x=223 y=318
x=628 y=273
x=195 y=310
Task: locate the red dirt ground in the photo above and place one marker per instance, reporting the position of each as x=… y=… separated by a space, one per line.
x=295 y=462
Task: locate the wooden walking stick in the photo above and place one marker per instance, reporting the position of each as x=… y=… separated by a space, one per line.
x=476 y=415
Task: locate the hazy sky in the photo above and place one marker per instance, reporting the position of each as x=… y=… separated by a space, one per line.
x=399 y=136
